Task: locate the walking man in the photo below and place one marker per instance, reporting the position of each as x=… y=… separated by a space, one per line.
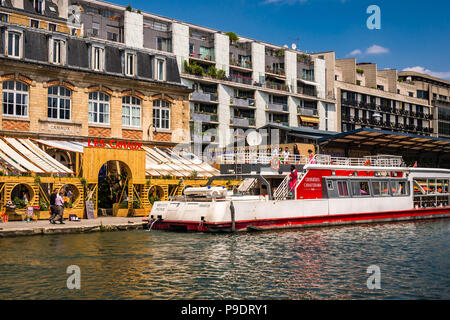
x=53 y=209
x=59 y=202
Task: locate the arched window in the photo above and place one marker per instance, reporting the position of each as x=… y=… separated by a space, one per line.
x=131 y=111
x=15 y=98
x=98 y=107
x=59 y=103
x=161 y=114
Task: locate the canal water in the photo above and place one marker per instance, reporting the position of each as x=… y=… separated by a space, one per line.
x=322 y=263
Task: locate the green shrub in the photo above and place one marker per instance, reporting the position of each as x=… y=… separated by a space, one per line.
x=221 y=75
x=212 y=72
x=233 y=37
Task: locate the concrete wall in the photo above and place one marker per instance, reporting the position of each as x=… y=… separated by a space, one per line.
x=180 y=42
x=320 y=77
x=258 y=62
x=348 y=67
x=222 y=52
x=262 y=99
x=134 y=29
x=290 y=67
x=224 y=112
x=370 y=74
x=391 y=76
x=292 y=104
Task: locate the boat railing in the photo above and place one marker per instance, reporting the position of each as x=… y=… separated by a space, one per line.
x=376 y=161
x=259 y=158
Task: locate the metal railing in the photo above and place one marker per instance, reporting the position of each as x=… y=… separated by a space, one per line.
x=259 y=158
x=375 y=161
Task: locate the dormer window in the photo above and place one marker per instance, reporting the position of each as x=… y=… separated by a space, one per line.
x=39 y=6
x=34 y=24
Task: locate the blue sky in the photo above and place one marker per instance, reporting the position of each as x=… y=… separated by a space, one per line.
x=414 y=34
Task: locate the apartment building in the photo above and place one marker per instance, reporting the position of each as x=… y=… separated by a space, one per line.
x=62 y=78
x=372 y=98
x=435 y=92
x=238 y=83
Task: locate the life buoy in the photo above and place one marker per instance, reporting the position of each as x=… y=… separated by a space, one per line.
x=275 y=163
x=367 y=163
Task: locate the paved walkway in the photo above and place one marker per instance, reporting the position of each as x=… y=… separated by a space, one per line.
x=22 y=228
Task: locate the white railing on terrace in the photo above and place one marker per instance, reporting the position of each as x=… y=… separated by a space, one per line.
x=258 y=158
x=375 y=161
x=266 y=158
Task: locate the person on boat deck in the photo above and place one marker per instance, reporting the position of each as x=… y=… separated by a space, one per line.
x=293 y=176
x=311 y=156
x=286 y=155
x=280 y=153
x=296 y=154
x=275 y=151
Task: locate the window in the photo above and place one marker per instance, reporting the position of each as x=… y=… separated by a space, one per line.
x=131 y=111
x=14 y=44
x=97 y=59
x=411 y=94
x=130 y=64
x=380 y=188
x=98 y=108
x=3 y=17
x=330 y=185
x=111 y=36
x=342 y=188
x=52 y=27
x=15 y=98
x=161 y=114
x=56 y=53
x=160 y=74
x=38 y=5
x=34 y=24
x=360 y=188
x=164 y=44
x=95 y=28
x=59 y=103
x=399 y=188
x=380 y=87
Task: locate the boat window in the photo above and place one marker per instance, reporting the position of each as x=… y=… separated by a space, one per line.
x=376 y=186
x=342 y=188
x=360 y=188
x=330 y=185
x=380 y=188
x=399 y=188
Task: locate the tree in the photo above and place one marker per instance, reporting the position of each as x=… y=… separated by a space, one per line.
x=233 y=37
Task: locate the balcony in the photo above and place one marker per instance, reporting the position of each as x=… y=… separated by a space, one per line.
x=307 y=112
x=277 y=107
x=307 y=91
x=204 y=117
x=204 y=96
x=246 y=64
x=276 y=86
x=240 y=79
x=277 y=71
x=243 y=122
x=278 y=122
x=242 y=102
x=202 y=57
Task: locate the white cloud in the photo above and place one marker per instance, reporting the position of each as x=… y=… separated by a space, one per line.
x=355 y=52
x=376 y=50
x=442 y=75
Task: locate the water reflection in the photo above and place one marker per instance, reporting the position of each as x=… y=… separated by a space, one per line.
x=303 y=264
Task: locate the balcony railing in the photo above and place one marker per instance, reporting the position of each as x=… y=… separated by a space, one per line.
x=204 y=117
x=277 y=107
x=242 y=102
x=276 y=86
x=284 y=123
x=243 y=122
x=307 y=111
x=241 y=63
x=240 y=79
x=307 y=91
x=204 y=96
x=278 y=71
x=202 y=56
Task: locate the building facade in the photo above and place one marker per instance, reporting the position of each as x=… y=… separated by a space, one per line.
x=58 y=81
x=371 y=98
x=435 y=92
x=238 y=83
